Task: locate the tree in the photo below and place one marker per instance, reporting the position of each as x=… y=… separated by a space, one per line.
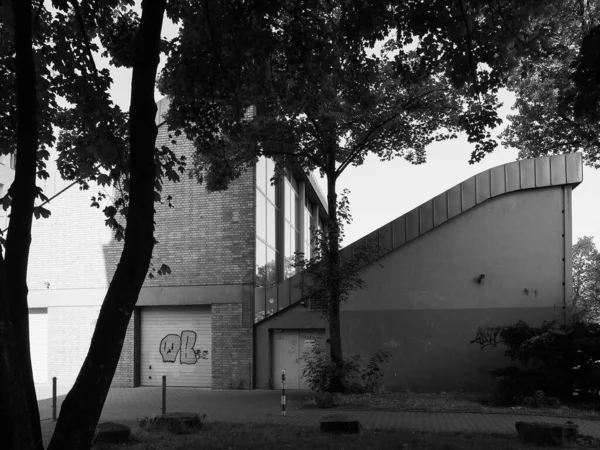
x=586 y=280
x=44 y=57
x=325 y=99
x=558 y=99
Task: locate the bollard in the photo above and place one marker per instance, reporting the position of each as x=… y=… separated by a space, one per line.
x=164 y=394
x=54 y=399
x=283 y=392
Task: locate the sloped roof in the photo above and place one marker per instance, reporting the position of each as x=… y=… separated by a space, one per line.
x=525 y=174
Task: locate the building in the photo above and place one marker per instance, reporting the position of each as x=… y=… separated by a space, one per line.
x=195 y=325
x=493 y=249
x=488 y=252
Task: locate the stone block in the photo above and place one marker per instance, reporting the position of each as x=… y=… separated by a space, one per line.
x=112 y=433
x=340 y=423
x=542 y=433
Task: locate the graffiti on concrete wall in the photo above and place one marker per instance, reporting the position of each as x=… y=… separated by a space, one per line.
x=487 y=336
x=173 y=344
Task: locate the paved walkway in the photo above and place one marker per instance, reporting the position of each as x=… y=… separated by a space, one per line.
x=263 y=406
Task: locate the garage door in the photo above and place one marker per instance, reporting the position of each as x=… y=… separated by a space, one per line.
x=288 y=347
x=38 y=343
x=176 y=342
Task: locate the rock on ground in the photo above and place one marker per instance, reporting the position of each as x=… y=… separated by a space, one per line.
x=542 y=433
x=340 y=423
x=112 y=432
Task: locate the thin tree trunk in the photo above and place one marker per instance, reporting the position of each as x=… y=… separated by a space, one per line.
x=333 y=261
x=83 y=405
x=15 y=311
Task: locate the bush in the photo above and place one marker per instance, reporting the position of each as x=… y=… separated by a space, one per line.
x=559 y=360
x=372 y=374
x=514 y=384
x=319 y=370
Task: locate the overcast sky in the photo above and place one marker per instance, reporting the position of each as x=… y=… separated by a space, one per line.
x=383 y=191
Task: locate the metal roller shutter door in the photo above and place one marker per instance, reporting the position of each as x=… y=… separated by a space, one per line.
x=38 y=343
x=176 y=342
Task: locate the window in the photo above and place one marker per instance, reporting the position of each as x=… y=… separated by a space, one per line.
x=283 y=228
x=308 y=220
x=266 y=224
x=291 y=226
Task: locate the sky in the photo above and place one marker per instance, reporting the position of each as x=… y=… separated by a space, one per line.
x=382 y=191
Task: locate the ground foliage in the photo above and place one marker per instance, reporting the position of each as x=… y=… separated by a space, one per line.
x=558 y=360
x=320 y=372
x=268 y=436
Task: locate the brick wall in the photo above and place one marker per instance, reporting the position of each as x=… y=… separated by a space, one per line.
x=70 y=331
x=205 y=238
x=232 y=348
x=126 y=374
x=67 y=249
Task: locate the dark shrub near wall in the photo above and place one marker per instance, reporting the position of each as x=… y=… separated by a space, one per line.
x=561 y=360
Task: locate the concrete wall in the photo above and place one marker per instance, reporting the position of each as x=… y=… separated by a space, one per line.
x=425 y=306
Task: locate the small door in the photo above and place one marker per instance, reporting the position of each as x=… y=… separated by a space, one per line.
x=38 y=343
x=288 y=347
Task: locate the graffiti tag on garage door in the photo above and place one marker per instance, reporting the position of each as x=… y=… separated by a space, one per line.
x=173 y=344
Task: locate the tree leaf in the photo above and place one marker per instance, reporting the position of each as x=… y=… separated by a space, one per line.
x=40 y=211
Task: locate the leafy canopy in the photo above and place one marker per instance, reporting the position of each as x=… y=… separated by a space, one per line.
x=319 y=89
x=558 y=98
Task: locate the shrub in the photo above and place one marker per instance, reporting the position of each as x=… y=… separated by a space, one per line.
x=176 y=423
x=559 y=360
x=319 y=371
x=372 y=374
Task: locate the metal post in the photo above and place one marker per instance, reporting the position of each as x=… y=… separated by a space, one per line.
x=164 y=394
x=283 y=392
x=54 y=399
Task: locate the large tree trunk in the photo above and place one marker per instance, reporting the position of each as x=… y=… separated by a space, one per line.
x=16 y=371
x=83 y=405
x=16 y=433
x=333 y=268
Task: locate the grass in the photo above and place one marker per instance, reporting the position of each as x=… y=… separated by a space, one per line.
x=268 y=436
x=453 y=402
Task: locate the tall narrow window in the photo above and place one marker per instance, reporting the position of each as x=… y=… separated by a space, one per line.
x=266 y=240
x=307 y=238
x=266 y=223
x=291 y=226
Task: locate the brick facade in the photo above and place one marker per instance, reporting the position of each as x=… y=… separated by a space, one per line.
x=232 y=348
x=207 y=239
x=127 y=373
